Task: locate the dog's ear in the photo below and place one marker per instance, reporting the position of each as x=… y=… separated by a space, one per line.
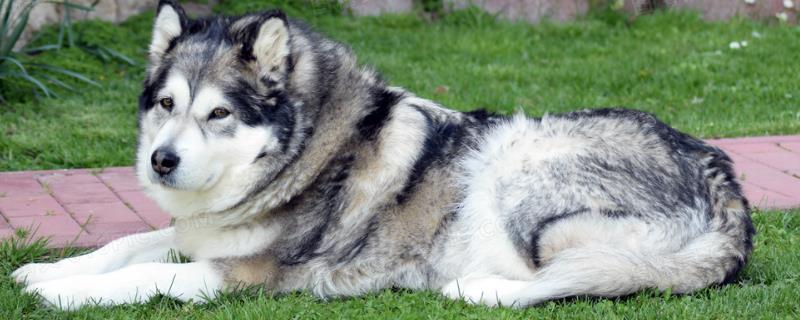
x=171 y=21
x=266 y=41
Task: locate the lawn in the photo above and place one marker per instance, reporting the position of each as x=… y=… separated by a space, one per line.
x=671 y=64
x=768 y=289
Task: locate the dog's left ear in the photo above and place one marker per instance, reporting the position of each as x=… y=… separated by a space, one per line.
x=267 y=42
x=170 y=22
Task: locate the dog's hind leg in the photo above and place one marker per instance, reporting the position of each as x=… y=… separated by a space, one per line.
x=604 y=271
x=137 y=248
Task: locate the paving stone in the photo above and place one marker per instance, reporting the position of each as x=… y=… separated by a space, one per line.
x=130 y=227
x=753 y=148
x=62 y=227
x=80 y=189
x=783 y=160
x=103 y=212
x=770 y=179
x=765 y=139
x=120 y=179
x=19 y=184
x=761 y=198
x=146 y=208
x=793 y=146
x=769 y=168
x=28 y=206
x=6 y=232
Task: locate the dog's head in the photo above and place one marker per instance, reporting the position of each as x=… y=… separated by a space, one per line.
x=215 y=116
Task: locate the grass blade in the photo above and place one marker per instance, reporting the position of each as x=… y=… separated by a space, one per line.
x=57 y=82
x=32 y=80
x=120 y=56
x=15 y=62
x=68 y=73
x=38 y=49
x=5 y=20
x=19 y=26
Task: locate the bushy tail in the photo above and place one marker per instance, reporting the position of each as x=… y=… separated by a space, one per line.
x=714 y=257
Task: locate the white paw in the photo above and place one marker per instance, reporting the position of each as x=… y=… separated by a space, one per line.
x=488 y=291
x=35 y=272
x=68 y=293
x=38 y=272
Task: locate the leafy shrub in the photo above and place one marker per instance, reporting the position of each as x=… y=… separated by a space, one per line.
x=13 y=66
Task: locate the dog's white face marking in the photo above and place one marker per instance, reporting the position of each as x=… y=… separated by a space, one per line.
x=216 y=151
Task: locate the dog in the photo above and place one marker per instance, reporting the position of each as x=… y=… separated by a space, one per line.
x=287 y=165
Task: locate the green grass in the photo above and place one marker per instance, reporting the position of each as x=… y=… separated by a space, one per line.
x=767 y=289
x=672 y=64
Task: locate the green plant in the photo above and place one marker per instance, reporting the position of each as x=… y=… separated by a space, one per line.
x=68 y=39
x=12 y=65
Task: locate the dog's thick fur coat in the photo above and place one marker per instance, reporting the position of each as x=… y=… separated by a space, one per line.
x=286 y=165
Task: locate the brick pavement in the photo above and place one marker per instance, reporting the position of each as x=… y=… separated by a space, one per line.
x=88 y=208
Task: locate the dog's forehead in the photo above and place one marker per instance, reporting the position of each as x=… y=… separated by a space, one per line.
x=202 y=61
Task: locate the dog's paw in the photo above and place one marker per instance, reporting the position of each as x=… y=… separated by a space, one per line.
x=66 y=294
x=488 y=291
x=35 y=272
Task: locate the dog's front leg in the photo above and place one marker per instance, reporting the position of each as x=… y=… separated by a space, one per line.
x=132 y=249
x=133 y=284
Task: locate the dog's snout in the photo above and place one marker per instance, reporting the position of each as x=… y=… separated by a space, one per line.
x=164 y=161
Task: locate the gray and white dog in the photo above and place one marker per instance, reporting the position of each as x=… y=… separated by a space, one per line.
x=287 y=165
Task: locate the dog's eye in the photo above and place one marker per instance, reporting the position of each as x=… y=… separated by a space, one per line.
x=167 y=103
x=219 y=113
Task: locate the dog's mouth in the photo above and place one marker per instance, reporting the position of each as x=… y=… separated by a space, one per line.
x=166 y=181
x=170 y=181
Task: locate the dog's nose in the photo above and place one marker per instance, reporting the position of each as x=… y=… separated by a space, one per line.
x=164 y=161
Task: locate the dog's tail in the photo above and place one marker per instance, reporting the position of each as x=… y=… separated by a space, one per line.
x=714 y=257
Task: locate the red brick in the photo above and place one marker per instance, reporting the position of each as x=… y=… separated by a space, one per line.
x=770 y=179
x=157 y=220
x=783 y=161
x=69 y=177
x=762 y=198
x=83 y=240
x=765 y=139
x=62 y=226
x=6 y=232
x=26 y=206
x=19 y=184
x=120 y=179
x=118 y=227
x=752 y=148
x=103 y=212
x=740 y=164
x=794 y=146
x=139 y=201
x=146 y=208
x=96 y=192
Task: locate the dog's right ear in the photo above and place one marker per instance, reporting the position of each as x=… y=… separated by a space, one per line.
x=171 y=21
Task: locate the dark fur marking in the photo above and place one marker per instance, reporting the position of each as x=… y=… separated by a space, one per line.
x=148 y=97
x=541 y=226
x=383 y=101
x=613 y=213
x=330 y=184
x=255 y=109
x=355 y=248
x=446 y=220
x=440 y=138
